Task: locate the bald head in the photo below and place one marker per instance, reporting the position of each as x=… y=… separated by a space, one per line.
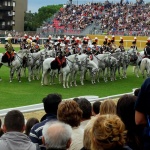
x=57 y=135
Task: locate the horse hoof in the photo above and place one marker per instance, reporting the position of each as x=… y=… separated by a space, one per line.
x=10 y=81
x=19 y=81
x=0 y=79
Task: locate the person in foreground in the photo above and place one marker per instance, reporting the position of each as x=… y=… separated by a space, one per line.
x=57 y=135
x=14 y=138
x=108 y=133
x=142 y=112
x=50 y=103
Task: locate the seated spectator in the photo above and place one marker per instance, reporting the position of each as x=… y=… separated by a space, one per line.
x=57 y=135
x=96 y=108
x=1 y=130
x=69 y=112
x=50 y=103
x=14 y=139
x=108 y=133
x=30 y=123
x=86 y=108
x=108 y=107
x=125 y=110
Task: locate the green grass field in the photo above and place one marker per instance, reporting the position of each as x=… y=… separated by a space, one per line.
x=20 y=94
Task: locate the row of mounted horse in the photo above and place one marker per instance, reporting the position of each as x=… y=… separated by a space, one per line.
x=106 y=64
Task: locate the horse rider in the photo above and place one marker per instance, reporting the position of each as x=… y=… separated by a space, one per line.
x=121 y=46
x=133 y=46
x=113 y=45
x=147 y=49
x=9 y=50
x=61 y=60
x=23 y=44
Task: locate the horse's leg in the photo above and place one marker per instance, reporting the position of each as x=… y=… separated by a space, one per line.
x=64 y=79
x=82 y=77
x=137 y=71
x=29 y=73
x=44 y=79
x=19 y=74
x=67 y=80
x=12 y=70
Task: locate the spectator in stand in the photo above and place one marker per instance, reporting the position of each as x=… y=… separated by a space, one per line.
x=14 y=139
x=125 y=110
x=108 y=107
x=108 y=133
x=96 y=108
x=86 y=108
x=50 y=103
x=69 y=112
x=57 y=135
x=30 y=123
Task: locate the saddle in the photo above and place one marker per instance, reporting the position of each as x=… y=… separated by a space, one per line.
x=57 y=63
x=8 y=57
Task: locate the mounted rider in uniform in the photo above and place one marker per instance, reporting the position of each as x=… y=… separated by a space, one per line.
x=9 y=50
x=147 y=49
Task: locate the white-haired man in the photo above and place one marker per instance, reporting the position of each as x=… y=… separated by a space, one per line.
x=57 y=135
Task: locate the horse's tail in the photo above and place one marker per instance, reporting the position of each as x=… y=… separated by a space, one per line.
x=143 y=66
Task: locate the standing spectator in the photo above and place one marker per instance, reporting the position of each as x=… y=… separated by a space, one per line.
x=57 y=135
x=142 y=111
x=69 y=112
x=50 y=103
x=14 y=139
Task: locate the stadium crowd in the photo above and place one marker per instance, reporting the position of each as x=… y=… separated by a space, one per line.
x=133 y=19
x=76 y=124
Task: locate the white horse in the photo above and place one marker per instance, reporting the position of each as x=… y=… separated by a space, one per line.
x=135 y=59
x=32 y=61
x=101 y=61
x=145 y=66
x=82 y=64
x=65 y=71
x=15 y=65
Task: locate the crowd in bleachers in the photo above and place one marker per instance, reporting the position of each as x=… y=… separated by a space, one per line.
x=111 y=18
x=76 y=124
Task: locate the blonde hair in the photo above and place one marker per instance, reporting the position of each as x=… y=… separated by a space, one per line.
x=108 y=107
x=69 y=112
x=108 y=132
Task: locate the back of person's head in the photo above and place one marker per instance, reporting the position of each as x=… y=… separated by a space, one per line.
x=30 y=123
x=57 y=135
x=96 y=107
x=136 y=92
x=51 y=103
x=108 y=107
x=108 y=132
x=86 y=108
x=87 y=134
x=125 y=110
x=70 y=113
x=14 y=121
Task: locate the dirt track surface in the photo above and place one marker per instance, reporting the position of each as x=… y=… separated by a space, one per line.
x=35 y=114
